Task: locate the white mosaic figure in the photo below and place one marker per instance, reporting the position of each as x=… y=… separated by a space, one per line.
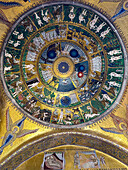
x=115 y=58
x=17 y=44
x=45 y=16
x=57 y=100
x=100 y=27
x=65 y=81
x=107 y=105
x=81 y=17
x=72 y=15
x=29 y=28
x=112 y=52
x=96 y=64
x=16 y=61
x=15 y=33
x=113 y=74
x=51 y=34
x=104 y=33
x=76 y=160
x=93 y=22
x=21 y=36
x=10 y=42
x=118 y=70
x=114 y=83
x=106 y=97
x=61 y=116
x=8 y=60
x=87 y=116
x=38 y=19
x=44 y=35
x=18 y=89
x=25 y=75
x=7 y=69
x=28 y=97
x=48 y=36
x=18 y=82
x=90 y=109
x=40 y=23
x=8 y=54
x=29 y=67
x=67 y=122
x=33 y=85
x=27 y=25
x=13 y=77
x=67 y=48
x=47 y=77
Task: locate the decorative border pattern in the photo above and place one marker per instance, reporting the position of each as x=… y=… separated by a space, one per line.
x=65 y=138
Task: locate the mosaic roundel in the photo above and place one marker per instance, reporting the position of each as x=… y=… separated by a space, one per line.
x=63 y=65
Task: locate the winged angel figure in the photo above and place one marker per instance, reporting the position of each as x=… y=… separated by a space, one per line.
x=121 y=125
x=14 y=130
x=121 y=10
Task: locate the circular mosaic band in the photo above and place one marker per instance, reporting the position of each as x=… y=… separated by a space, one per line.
x=64 y=65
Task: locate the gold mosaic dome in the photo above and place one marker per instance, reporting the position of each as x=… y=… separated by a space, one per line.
x=64 y=65
x=63 y=95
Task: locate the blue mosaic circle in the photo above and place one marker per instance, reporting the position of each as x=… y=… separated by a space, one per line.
x=63 y=67
x=82 y=68
x=65 y=101
x=51 y=54
x=74 y=53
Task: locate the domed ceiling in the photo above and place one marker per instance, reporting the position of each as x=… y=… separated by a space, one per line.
x=64 y=64
x=63 y=88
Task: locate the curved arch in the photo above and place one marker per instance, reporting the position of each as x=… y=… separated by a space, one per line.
x=65 y=138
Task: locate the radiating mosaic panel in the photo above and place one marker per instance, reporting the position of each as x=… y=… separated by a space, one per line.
x=63 y=65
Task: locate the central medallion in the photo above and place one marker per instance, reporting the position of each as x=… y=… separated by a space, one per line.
x=63 y=67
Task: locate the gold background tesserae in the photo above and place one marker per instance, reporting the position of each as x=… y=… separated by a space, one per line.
x=28 y=151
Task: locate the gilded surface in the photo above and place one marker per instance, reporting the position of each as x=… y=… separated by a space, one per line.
x=32 y=114
x=76 y=155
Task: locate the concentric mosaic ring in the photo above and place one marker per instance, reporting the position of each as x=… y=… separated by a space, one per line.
x=64 y=65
